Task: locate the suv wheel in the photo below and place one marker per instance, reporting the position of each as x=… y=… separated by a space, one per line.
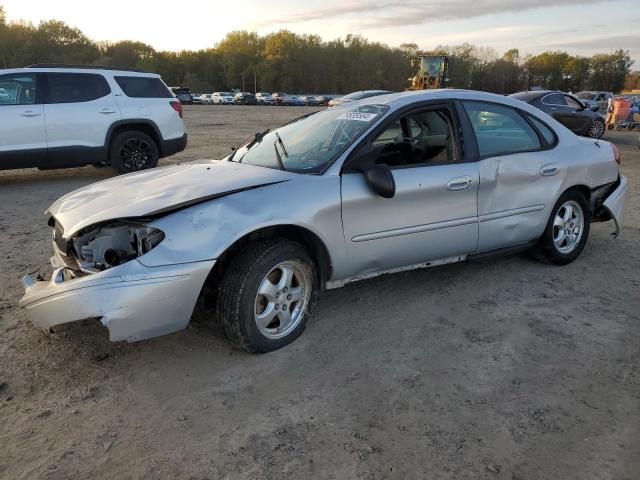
x=267 y=295
x=567 y=230
x=133 y=151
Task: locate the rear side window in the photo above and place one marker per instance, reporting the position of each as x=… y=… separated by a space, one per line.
x=76 y=87
x=500 y=130
x=18 y=89
x=546 y=132
x=143 y=87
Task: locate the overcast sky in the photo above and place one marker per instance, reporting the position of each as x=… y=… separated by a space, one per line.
x=579 y=26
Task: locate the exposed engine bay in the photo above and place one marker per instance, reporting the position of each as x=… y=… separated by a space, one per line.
x=101 y=247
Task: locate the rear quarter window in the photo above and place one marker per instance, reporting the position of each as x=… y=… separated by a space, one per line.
x=143 y=87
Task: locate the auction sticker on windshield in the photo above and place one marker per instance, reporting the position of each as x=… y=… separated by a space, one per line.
x=358 y=116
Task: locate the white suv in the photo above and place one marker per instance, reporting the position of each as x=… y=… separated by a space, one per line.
x=222 y=98
x=54 y=116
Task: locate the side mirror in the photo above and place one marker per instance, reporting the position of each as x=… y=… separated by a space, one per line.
x=380 y=179
x=378 y=176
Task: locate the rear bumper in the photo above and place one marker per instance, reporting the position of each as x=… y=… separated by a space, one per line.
x=616 y=202
x=133 y=301
x=173 y=146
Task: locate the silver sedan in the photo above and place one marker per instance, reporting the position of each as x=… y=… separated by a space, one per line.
x=385 y=184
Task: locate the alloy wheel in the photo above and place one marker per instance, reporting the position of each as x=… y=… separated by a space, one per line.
x=568 y=226
x=282 y=299
x=597 y=129
x=135 y=154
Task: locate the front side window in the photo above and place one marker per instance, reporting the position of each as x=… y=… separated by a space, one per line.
x=18 y=89
x=500 y=130
x=310 y=143
x=143 y=87
x=572 y=102
x=418 y=138
x=76 y=87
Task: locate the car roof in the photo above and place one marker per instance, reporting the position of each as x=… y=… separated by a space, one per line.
x=71 y=69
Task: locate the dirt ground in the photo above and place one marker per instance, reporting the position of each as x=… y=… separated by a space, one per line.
x=500 y=369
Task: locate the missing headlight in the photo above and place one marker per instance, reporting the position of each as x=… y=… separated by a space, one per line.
x=104 y=246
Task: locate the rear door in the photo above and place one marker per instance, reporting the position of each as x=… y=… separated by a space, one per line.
x=148 y=99
x=23 y=141
x=79 y=110
x=516 y=174
x=433 y=215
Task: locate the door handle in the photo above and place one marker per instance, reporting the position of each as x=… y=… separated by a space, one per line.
x=549 y=170
x=30 y=113
x=107 y=110
x=459 y=183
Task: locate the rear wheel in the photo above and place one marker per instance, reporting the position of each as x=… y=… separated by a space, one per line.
x=133 y=151
x=267 y=295
x=597 y=128
x=567 y=230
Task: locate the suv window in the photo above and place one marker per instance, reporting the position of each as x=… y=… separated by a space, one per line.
x=500 y=130
x=76 y=87
x=18 y=89
x=419 y=138
x=143 y=87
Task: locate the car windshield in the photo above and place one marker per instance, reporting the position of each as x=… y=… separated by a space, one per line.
x=309 y=143
x=586 y=95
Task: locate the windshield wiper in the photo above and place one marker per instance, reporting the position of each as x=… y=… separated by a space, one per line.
x=284 y=150
x=278 y=157
x=257 y=138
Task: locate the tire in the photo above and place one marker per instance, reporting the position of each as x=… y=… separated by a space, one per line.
x=133 y=151
x=597 y=128
x=240 y=305
x=563 y=249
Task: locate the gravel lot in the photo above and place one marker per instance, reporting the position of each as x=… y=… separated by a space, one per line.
x=503 y=368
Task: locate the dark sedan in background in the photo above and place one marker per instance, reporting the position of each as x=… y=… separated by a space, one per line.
x=568 y=110
x=245 y=98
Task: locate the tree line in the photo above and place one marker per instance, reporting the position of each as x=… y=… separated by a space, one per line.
x=296 y=63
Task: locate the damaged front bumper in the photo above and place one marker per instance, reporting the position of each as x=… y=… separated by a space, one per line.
x=133 y=301
x=616 y=202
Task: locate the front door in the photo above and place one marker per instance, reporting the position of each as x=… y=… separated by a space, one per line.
x=23 y=141
x=433 y=214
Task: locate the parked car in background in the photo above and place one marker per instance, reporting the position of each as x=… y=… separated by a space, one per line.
x=297 y=101
x=183 y=94
x=257 y=236
x=566 y=109
x=265 y=98
x=58 y=117
x=197 y=100
x=205 y=98
x=282 y=98
x=594 y=98
x=352 y=97
x=313 y=100
x=222 y=98
x=244 y=98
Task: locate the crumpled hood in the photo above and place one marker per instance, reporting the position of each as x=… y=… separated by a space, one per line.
x=157 y=191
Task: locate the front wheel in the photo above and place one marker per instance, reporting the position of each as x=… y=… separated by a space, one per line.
x=267 y=295
x=133 y=151
x=567 y=230
x=597 y=128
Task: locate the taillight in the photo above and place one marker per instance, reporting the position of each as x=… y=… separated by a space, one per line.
x=616 y=153
x=177 y=106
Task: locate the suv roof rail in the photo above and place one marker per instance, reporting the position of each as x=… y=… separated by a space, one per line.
x=86 y=67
